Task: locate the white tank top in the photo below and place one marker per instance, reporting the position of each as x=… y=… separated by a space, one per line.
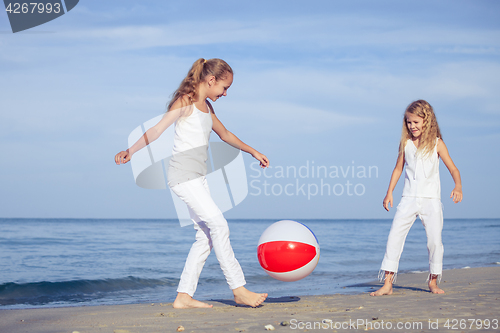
x=189 y=154
x=421 y=174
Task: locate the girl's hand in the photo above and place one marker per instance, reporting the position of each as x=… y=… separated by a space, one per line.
x=264 y=161
x=387 y=201
x=456 y=195
x=122 y=157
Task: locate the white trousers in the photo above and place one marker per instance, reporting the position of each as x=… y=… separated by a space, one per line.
x=212 y=231
x=430 y=212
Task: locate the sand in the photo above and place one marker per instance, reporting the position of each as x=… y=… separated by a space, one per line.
x=471 y=294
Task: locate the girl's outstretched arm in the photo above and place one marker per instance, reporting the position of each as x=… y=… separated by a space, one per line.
x=396 y=173
x=151 y=134
x=442 y=151
x=233 y=140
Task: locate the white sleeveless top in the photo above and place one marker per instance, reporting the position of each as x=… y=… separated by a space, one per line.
x=189 y=155
x=421 y=174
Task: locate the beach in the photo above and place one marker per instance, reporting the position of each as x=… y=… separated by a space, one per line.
x=470 y=303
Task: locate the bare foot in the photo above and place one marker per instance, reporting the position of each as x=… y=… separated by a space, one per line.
x=184 y=301
x=436 y=290
x=387 y=287
x=244 y=296
x=385 y=290
x=433 y=287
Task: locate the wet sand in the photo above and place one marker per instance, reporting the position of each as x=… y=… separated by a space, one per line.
x=471 y=294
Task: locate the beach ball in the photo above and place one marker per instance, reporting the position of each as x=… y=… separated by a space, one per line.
x=288 y=251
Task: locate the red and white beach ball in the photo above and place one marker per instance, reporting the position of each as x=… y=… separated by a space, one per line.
x=288 y=251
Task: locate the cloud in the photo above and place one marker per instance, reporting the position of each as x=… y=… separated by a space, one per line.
x=478 y=50
x=369 y=88
x=335 y=31
x=284 y=118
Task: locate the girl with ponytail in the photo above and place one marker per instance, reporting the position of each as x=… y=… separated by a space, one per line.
x=194 y=120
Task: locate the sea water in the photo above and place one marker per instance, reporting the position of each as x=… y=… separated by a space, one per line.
x=75 y=262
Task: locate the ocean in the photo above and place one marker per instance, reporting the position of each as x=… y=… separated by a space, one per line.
x=81 y=262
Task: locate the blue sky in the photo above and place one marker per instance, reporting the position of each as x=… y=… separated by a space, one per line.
x=321 y=83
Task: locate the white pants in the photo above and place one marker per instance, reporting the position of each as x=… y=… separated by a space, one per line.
x=212 y=230
x=431 y=213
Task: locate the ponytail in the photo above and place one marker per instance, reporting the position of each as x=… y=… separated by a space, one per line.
x=200 y=70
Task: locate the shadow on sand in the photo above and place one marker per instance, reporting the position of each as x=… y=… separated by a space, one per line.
x=284 y=299
x=375 y=286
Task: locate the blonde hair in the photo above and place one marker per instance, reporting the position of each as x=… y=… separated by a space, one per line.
x=200 y=70
x=430 y=128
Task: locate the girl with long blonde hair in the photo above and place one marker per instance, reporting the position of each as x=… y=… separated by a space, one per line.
x=420 y=149
x=194 y=119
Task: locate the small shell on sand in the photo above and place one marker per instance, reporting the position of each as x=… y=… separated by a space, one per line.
x=269 y=327
x=285 y=323
x=180 y=328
